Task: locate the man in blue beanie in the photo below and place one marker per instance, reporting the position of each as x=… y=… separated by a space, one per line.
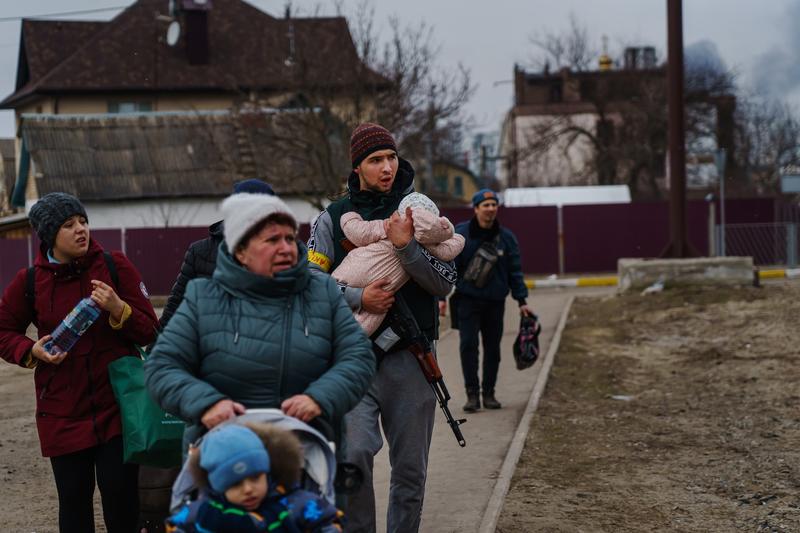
x=488 y=267
x=253 y=186
x=201 y=257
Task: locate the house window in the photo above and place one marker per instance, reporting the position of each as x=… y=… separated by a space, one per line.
x=130 y=107
x=458 y=186
x=440 y=183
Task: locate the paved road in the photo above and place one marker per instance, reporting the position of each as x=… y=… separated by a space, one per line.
x=461 y=480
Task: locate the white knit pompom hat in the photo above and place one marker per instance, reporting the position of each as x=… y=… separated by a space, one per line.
x=244 y=210
x=416 y=199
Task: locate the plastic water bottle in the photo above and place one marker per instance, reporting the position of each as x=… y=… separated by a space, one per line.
x=73 y=326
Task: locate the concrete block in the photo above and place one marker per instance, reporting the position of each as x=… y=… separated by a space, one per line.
x=638 y=274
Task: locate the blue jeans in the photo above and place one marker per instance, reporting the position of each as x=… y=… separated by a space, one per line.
x=485 y=317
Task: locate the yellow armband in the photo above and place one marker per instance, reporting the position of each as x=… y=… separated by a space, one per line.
x=126 y=313
x=28 y=361
x=319 y=259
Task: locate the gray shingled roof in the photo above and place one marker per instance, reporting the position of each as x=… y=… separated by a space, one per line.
x=155 y=155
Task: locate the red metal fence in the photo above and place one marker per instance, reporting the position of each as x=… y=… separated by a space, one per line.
x=593 y=237
x=158 y=253
x=13 y=257
x=536 y=229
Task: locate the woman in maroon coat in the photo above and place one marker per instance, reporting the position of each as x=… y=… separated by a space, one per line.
x=76 y=413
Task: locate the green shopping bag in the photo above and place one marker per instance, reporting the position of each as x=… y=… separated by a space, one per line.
x=149 y=435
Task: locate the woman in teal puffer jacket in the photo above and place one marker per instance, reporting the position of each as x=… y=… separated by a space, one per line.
x=262 y=332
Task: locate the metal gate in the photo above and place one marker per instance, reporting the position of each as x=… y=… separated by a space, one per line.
x=767 y=243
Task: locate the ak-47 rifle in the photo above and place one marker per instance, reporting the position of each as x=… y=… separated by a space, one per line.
x=402 y=325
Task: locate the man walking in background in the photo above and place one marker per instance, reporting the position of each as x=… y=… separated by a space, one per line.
x=201 y=256
x=488 y=268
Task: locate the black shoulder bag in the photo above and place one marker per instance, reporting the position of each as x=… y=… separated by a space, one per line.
x=480 y=267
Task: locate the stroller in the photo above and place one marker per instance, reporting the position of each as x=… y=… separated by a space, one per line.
x=319 y=458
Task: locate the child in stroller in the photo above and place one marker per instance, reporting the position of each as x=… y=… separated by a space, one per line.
x=246 y=475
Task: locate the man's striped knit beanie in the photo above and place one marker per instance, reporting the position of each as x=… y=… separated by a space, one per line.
x=368 y=138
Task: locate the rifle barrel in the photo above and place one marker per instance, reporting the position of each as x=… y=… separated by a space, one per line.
x=452 y=422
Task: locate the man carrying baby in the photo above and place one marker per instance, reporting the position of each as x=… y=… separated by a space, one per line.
x=399 y=395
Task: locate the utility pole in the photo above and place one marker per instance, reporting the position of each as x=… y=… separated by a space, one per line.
x=513 y=161
x=679 y=244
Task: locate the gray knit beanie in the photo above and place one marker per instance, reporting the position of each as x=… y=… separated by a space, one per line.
x=50 y=212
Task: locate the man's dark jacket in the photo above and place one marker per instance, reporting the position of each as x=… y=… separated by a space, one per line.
x=199 y=262
x=507 y=273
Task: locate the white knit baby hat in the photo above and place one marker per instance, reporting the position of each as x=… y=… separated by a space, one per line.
x=416 y=199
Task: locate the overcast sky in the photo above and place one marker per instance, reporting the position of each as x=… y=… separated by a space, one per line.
x=758 y=39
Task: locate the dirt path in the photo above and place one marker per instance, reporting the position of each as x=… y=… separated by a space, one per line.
x=26 y=481
x=668 y=412
x=27 y=489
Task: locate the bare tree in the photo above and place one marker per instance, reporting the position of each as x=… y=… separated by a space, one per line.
x=424 y=103
x=397 y=83
x=619 y=135
x=565 y=49
x=768 y=138
x=616 y=130
x=303 y=147
x=303 y=137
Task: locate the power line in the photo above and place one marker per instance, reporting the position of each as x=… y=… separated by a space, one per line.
x=62 y=14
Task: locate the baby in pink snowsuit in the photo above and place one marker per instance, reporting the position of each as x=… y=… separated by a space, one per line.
x=375 y=257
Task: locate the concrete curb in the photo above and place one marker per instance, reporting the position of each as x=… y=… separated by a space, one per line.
x=610 y=281
x=779 y=273
x=600 y=281
x=492 y=513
